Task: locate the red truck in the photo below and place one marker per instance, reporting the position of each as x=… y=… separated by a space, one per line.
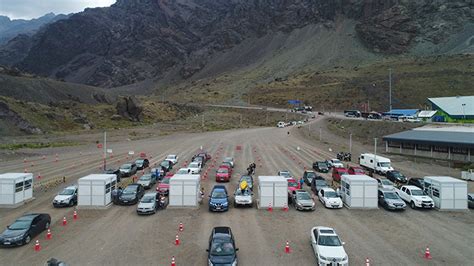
x=337 y=173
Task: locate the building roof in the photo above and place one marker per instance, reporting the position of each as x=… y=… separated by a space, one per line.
x=426 y=114
x=454 y=105
x=181 y=177
x=359 y=178
x=98 y=177
x=434 y=137
x=15 y=175
x=404 y=112
x=268 y=179
x=445 y=179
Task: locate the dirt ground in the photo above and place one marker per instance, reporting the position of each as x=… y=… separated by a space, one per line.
x=118 y=236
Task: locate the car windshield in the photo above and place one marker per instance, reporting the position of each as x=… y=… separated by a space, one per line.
x=218 y=194
x=139 y=161
x=145 y=178
x=194 y=165
x=390 y=195
x=222 y=170
x=387 y=182
x=182 y=171
x=247 y=178
x=384 y=164
x=165 y=163
x=126 y=166
x=148 y=199
x=322 y=165
x=303 y=196
x=165 y=181
x=228 y=159
x=416 y=192
x=336 y=161
x=397 y=174
x=321 y=183
x=130 y=190
x=67 y=191
x=222 y=249
x=287 y=174
x=330 y=241
x=357 y=170
x=292 y=184
x=20 y=225
x=171 y=157
x=310 y=175
x=240 y=192
x=330 y=194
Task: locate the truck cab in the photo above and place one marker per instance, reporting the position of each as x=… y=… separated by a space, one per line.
x=415 y=197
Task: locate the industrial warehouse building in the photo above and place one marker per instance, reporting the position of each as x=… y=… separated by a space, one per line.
x=459 y=109
x=447 y=143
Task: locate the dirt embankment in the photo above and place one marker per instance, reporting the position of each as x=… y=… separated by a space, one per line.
x=365 y=131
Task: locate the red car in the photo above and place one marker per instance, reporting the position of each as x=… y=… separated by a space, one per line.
x=223 y=174
x=293 y=185
x=164 y=186
x=356 y=170
x=337 y=173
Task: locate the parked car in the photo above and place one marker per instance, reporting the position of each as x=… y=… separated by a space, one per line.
x=128 y=169
x=248 y=179
x=142 y=164
x=327 y=247
x=302 y=200
x=321 y=167
x=417 y=182
x=219 y=199
x=470 y=200
x=415 y=197
x=199 y=159
x=308 y=177
x=329 y=198
x=194 y=167
x=337 y=173
x=205 y=155
x=148 y=203
x=163 y=186
x=222 y=250
x=356 y=170
x=317 y=184
x=385 y=183
x=286 y=174
x=229 y=160
x=115 y=172
x=67 y=197
x=390 y=200
x=396 y=177
x=243 y=197
x=166 y=166
x=173 y=158
x=334 y=163
x=292 y=186
x=24 y=229
x=131 y=194
x=147 y=181
x=182 y=171
x=226 y=165
x=223 y=174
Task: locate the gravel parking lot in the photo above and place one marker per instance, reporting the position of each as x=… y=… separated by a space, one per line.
x=118 y=236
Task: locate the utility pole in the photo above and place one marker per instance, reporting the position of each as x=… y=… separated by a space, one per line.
x=390 y=87
x=202 y=121
x=240 y=120
x=105 y=150
x=350 y=143
x=375 y=153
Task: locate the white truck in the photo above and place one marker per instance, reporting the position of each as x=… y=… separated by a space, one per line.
x=375 y=163
x=415 y=197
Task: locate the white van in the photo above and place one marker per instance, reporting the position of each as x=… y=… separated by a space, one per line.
x=382 y=165
x=281 y=124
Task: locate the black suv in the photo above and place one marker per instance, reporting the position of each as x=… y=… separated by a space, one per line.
x=131 y=194
x=317 y=183
x=115 y=172
x=396 y=177
x=321 y=167
x=417 y=182
x=221 y=250
x=308 y=177
x=24 y=229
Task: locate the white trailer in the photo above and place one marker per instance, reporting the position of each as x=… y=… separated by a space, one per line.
x=95 y=190
x=359 y=191
x=15 y=189
x=272 y=191
x=184 y=190
x=448 y=193
x=375 y=163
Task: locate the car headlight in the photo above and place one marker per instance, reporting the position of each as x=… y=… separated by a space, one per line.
x=417 y=201
x=209 y=263
x=345 y=257
x=234 y=263
x=225 y=203
x=322 y=257
x=312 y=204
x=299 y=204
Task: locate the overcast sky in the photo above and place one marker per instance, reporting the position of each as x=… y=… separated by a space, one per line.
x=28 y=9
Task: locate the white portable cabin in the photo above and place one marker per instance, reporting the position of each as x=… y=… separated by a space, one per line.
x=15 y=188
x=448 y=193
x=184 y=190
x=272 y=190
x=95 y=190
x=359 y=191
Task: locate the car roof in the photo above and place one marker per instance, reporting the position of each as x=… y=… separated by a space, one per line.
x=301 y=191
x=72 y=187
x=325 y=230
x=134 y=185
x=327 y=189
x=222 y=232
x=291 y=179
x=150 y=194
x=28 y=216
x=169 y=155
x=412 y=187
x=386 y=189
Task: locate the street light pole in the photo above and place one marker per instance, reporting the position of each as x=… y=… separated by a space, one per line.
x=105 y=150
x=390 y=87
x=350 y=143
x=375 y=154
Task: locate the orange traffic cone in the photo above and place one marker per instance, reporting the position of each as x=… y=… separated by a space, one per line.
x=181 y=227
x=37 y=246
x=287 y=247
x=177 y=242
x=173 y=262
x=285 y=208
x=270 y=209
x=49 y=235
x=64 y=221
x=74 y=216
x=428 y=254
x=367 y=262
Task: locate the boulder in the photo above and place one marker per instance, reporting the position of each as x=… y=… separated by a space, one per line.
x=129 y=107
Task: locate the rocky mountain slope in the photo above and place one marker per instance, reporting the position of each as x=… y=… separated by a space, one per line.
x=10 y=28
x=138 y=40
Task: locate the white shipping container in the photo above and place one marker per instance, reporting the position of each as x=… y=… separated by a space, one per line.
x=15 y=188
x=184 y=190
x=272 y=190
x=96 y=190
x=359 y=191
x=448 y=193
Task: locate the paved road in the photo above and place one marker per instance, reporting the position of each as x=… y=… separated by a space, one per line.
x=117 y=236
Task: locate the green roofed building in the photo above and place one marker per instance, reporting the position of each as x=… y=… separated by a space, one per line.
x=459 y=109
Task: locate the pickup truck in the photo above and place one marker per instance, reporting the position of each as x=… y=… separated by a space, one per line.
x=415 y=197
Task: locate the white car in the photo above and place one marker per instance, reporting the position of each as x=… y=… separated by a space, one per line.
x=286 y=174
x=327 y=247
x=147 y=204
x=243 y=197
x=335 y=163
x=415 y=197
x=182 y=171
x=67 y=197
x=329 y=198
x=281 y=124
x=229 y=160
x=172 y=158
x=194 y=167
